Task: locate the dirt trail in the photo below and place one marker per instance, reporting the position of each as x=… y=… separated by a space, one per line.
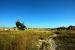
x=48 y=44
x=52 y=44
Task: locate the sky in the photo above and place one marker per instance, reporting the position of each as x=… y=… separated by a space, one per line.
x=37 y=13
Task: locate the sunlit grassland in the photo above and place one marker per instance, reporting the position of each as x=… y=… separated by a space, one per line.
x=22 y=40
x=28 y=39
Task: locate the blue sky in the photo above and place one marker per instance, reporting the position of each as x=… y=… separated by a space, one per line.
x=37 y=13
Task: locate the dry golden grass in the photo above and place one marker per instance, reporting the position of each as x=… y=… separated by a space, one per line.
x=21 y=40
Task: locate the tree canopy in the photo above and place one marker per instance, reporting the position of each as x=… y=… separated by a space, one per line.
x=20 y=25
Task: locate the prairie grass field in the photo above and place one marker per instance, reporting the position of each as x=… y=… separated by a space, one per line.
x=28 y=39
x=21 y=40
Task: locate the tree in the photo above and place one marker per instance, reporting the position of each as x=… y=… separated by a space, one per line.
x=20 y=25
